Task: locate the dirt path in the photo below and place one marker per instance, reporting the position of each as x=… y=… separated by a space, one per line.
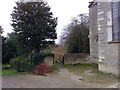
x=61 y=79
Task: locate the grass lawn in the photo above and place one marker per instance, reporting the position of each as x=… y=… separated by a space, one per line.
x=95 y=76
x=11 y=72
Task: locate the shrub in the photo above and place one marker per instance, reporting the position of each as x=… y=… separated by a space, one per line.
x=27 y=62
x=6 y=66
x=42 y=69
x=37 y=57
x=20 y=63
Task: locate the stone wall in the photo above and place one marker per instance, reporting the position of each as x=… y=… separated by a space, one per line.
x=108 y=52
x=48 y=61
x=109 y=63
x=93 y=34
x=75 y=58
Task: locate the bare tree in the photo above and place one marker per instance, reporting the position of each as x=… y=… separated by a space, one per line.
x=75 y=35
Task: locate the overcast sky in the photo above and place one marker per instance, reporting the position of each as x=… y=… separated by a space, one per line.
x=63 y=9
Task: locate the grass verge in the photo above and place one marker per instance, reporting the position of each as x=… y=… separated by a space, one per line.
x=94 y=76
x=11 y=72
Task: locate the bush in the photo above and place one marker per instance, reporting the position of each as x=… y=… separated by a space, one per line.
x=27 y=62
x=6 y=66
x=41 y=69
x=20 y=63
x=38 y=57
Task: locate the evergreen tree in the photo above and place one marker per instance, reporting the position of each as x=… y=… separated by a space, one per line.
x=34 y=25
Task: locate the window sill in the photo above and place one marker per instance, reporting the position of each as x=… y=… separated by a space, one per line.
x=112 y=42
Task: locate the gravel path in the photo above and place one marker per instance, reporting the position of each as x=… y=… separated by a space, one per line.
x=62 y=79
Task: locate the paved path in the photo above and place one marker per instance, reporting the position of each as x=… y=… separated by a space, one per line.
x=63 y=79
x=116 y=85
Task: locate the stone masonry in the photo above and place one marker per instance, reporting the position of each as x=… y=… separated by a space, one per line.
x=106 y=48
x=93 y=33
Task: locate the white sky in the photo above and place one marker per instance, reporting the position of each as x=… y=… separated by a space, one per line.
x=63 y=9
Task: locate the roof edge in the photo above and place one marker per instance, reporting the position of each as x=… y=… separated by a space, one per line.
x=92 y=3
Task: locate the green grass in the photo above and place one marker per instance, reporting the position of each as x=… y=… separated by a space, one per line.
x=11 y=72
x=97 y=77
x=79 y=69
